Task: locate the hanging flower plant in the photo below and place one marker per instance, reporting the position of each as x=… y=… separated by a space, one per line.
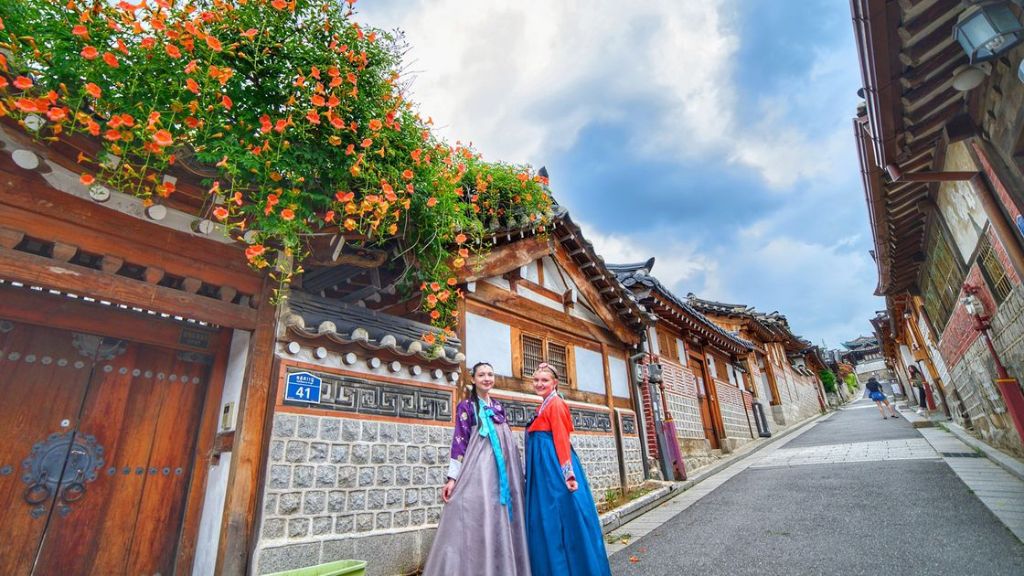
x=296 y=113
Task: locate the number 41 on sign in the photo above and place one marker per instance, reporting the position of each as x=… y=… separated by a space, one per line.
x=302 y=387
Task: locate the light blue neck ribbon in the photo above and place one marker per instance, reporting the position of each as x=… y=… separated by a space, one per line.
x=488 y=430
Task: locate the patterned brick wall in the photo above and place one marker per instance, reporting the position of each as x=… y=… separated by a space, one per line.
x=972 y=375
x=734 y=416
x=681 y=394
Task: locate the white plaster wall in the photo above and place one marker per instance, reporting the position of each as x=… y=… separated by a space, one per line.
x=620 y=377
x=589 y=370
x=489 y=341
x=553 y=276
x=530 y=272
x=217 y=475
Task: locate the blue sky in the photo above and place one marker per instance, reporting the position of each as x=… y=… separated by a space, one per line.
x=713 y=135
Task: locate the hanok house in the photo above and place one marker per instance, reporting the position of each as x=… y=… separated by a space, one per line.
x=705 y=390
x=134 y=358
x=940 y=140
x=779 y=369
x=358 y=472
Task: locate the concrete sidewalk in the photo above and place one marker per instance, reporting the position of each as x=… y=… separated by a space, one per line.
x=811 y=502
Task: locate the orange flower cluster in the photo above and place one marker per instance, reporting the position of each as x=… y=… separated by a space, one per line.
x=298 y=108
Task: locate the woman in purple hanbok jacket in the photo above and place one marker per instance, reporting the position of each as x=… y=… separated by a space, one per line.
x=482 y=531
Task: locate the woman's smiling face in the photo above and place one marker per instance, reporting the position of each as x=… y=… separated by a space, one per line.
x=483 y=378
x=544 y=383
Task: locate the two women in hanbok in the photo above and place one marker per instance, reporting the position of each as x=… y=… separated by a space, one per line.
x=493 y=522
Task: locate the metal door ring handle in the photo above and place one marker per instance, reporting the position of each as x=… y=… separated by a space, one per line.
x=37 y=494
x=73 y=492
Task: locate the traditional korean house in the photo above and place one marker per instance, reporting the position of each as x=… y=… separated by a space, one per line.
x=940 y=139
x=356 y=469
x=705 y=389
x=135 y=354
x=777 y=365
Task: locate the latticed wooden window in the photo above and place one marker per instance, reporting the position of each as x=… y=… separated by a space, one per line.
x=533 y=354
x=993 y=270
x=667 y=345
x=558 y=358
x=942 y=281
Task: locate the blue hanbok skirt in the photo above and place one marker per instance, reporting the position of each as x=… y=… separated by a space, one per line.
x=562 y=528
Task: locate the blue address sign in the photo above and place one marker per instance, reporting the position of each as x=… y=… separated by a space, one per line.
x=302 y=387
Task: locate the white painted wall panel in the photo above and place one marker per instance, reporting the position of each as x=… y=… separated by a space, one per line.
x=489 y=341
x=620 y=377
x=589 y=371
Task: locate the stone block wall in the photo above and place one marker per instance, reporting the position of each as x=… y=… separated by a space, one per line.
x=973 y=375
x=331 y=478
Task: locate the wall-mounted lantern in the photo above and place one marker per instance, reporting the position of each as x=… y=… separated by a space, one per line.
x=987 y=30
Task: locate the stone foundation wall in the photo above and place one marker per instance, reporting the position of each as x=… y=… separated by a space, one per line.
x=973 y=377
x=346 y=487
x=331 y=478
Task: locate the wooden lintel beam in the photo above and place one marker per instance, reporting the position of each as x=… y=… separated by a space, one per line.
x=36 y=270
x=503 y=259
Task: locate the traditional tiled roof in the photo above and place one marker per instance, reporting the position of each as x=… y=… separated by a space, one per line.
x=569 y=234
x=862 y=342
x=312 y=316
x=637 y=277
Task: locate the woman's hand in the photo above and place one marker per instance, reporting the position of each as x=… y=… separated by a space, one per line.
x=571 y=484
x=446 y=491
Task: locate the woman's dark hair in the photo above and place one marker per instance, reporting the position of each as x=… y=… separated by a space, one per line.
x=913 y=370
x=472 y=396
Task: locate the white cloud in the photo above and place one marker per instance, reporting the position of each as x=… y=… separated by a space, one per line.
x=521 y=78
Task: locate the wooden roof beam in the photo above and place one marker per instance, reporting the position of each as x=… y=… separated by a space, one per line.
x=926 y=92
x=949 y=100
x=941 y=13
x=918 y=131
x=937 y=40
x=942 y=63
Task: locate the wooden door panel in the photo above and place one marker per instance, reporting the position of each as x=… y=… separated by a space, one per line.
x=143 y=407
x=43 y=379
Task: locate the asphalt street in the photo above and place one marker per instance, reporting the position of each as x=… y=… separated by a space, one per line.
x=837 y=506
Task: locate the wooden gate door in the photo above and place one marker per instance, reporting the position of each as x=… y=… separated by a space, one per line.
x=43 y=380
x=118 y=503
x=705 y=403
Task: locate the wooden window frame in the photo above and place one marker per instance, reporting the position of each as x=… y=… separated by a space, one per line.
x=942 y=280
x=668 y=348
x=993 y=270
x=519 y=360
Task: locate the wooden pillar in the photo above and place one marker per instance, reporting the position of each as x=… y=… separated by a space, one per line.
x=616 y=431
x=773 y=385
x=241 y=505
x=1000 y=225
x=926 y=357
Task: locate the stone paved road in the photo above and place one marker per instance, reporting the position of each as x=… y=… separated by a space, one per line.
x=853 y=495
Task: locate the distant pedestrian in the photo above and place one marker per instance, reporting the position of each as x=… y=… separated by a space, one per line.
x=917 y=381
x=876 y=394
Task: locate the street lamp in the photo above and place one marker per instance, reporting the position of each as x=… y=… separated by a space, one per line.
x=1008 y=386
x=987 y=30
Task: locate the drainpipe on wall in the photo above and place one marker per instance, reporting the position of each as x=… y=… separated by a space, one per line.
x=638 y=402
